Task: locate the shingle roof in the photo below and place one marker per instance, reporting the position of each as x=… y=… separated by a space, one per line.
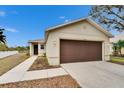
x=37 y=41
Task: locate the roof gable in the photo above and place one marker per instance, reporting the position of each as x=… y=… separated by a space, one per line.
x=75 y=21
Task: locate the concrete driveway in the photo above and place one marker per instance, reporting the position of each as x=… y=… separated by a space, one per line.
x=96 y=74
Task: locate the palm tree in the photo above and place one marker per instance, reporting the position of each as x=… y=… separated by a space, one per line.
x=2 y=37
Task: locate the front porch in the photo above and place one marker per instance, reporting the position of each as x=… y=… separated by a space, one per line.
x=37 y=47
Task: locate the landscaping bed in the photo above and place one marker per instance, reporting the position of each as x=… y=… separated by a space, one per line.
x=65 y=81
x=10 y=62
x=117 y=60
x=40 y=64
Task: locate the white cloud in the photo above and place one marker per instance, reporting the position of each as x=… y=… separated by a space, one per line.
x=11 y=30
x=2 y=13
x=67 y=20
x=62 y=17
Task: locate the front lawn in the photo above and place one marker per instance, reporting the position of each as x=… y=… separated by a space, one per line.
x=117 y=60
x=9 y=62
x=40 y=64
x=65 y=81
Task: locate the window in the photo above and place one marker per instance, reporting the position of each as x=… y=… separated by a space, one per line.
x=42 y=46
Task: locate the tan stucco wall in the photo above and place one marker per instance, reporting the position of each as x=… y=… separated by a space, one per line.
x=40 y=51
x=78 y=31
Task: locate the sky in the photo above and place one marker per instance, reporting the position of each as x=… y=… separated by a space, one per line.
x=23 y=23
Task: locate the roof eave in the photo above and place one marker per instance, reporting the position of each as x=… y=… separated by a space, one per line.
x=100 y=28
x=64 y=24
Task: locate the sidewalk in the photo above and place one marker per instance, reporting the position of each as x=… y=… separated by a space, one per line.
x=18 y=72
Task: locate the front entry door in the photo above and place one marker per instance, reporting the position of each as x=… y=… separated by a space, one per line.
x=35 y=49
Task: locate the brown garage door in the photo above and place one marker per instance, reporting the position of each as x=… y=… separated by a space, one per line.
x=80 y=51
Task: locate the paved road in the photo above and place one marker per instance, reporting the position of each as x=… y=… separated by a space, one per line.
x=96 y=74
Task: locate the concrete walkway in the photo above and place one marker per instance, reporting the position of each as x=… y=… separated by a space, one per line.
x=17 y=72
x=20 y=73
x=47 y=73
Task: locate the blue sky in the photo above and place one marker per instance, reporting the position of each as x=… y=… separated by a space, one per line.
x=23 y=23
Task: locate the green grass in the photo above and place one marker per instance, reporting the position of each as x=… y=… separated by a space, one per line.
x=9 y=62
x=117 y=59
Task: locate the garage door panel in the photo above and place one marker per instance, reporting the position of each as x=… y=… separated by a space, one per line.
x=79 y=51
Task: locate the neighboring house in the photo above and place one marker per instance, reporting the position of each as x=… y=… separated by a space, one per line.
x=76 y=41
x=116 y=38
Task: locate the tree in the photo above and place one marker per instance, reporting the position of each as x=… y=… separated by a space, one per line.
x=120 y=44
x=115 y=48
x=3 y=47
x=2 y=37
x=110 y=16
x=19 y=48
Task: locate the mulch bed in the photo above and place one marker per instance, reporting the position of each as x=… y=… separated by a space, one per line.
x=65 y=81
x=40 y=64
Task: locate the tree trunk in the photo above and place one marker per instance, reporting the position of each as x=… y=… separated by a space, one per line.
x=120 y=52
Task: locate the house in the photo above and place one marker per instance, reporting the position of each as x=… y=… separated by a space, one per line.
x=76 y=41
x=37 y=47
x=116 y=38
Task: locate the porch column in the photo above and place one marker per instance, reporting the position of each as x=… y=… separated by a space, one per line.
x=31 y=49
x=39 y=49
